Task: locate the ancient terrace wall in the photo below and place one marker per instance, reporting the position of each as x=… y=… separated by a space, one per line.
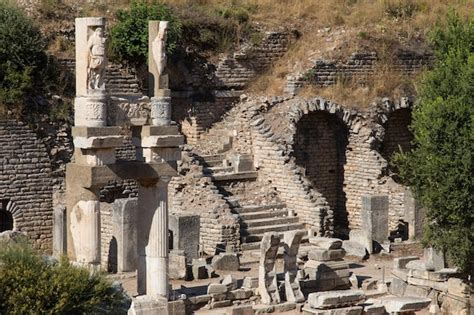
x=25 y=184
x=327 y=157
x=205 y=100
x=359 y=66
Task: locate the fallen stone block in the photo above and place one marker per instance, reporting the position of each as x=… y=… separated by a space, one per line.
x=239 y=294
x=216 y=288
x=220 y=304
x=263 y=309
x=401 y=274
x=395 y=304
x=333 y=299
x=200 y=299
x=353 y=248
x=397 y=287
x=284 y=307
x=218 y=297
x=177 y=265
x=416 y=265
x=458 y=287
x=325 y=242
x=374 y=309
x=320 y=254
x=369 y=284
x=352 y=310
x=325 y=265
x=230 y=282
x=434 y=259
x=401 y=262
x=241 y=310
x=413 y=290
x=250 y=282
x=226 y=261
x=177 y=307
x=440 y=286
x=199 y=269
x=363 y=238
x=145 y=305
x=440 y=275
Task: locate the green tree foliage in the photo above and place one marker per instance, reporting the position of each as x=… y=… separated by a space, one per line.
x=129 y=37
x=22 y=54
x=30 y=284
x=440 y=168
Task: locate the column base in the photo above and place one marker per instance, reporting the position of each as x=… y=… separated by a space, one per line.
x=160 y=110
x=91 y=110
x=146 y=305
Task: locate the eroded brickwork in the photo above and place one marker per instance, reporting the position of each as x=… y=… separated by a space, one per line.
x=25 y=181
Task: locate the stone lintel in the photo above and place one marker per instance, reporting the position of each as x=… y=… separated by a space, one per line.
x=93 y=176
x=147 y=131
x=162 y=141
x=98 y=142
x=88 y=132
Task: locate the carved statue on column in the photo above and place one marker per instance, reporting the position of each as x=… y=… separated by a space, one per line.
x=159 y=47
x=96 y=59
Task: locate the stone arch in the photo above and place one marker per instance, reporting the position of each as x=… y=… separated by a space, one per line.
x=9 y=215
x=319 y=147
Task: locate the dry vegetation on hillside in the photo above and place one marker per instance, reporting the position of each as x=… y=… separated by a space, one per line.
x=330 y=29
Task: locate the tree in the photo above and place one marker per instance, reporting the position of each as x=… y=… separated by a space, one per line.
x=440 y=169
x=22 y=55
x=129 y=37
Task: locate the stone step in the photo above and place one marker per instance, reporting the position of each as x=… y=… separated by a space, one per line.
x=249 y=175
x=271 y=228
x=218 y=169
x=253 y=241
x=248 y=224
x=263 y=214
x=247 y=209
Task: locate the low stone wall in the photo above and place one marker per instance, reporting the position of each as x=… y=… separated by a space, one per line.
x=26 y=182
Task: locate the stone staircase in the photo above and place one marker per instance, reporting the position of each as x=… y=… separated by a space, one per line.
x=256 y=218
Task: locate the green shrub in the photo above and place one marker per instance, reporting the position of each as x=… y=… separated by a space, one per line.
x=30 y=284
x=22 y=55
x=129 y=37
x=441 y=166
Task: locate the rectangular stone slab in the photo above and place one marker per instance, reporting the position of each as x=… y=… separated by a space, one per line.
x=321 y=254
x=87 y=132
x=353 y=310
x=403 y=304
x=326 y=242
x=333 y=299
x=89 y=176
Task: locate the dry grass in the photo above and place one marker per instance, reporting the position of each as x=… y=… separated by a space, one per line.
x=352 y=93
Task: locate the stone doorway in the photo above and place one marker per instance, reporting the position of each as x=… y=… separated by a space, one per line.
x=320 y=144
x=6 y=217
x=397 y=137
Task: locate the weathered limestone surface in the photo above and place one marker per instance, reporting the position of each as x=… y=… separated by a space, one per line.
x=404 y=304
x=291 y=245
x=125 y=220
x=267 y=276
x=85 y=231
x=375 y=217
x=185 y=234
x=334 y=299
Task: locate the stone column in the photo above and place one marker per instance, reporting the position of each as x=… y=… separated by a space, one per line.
x=59 y=231
x=90 y=108
x=374 y=215
x=153 y=238
x=158 y=87
x=124 y=217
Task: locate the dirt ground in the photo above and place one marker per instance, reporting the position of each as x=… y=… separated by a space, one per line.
x=377 y=266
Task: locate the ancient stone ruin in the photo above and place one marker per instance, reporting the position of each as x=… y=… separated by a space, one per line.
x=247 y=204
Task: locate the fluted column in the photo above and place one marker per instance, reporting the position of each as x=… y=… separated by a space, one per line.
x=153 y=238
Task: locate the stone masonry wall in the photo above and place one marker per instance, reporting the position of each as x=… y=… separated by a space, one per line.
x=359 y=66
x=320 y=148
x=25 y=181
x=194 y=193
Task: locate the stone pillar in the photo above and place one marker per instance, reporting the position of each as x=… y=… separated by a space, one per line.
x=267 y=276
x=374 y=216
x=124 y=217
x=59 y=231
x=84 y=224
x=414 y=215
x=158 y=86
x=291 y=243
x=153 y=238
x=90 y=108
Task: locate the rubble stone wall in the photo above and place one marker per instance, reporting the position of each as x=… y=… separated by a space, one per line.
x=359 y=66
x=194 y=193
x=26 y=182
